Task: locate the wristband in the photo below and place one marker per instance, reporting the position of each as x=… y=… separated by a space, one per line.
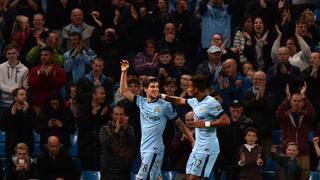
x=163 y=96
x=207 y=124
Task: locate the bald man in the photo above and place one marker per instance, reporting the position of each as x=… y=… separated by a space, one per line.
x=259 y=105
x=232 y=85
x=77 y=25
x=55 y=164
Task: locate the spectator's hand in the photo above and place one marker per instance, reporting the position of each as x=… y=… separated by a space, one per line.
x=273 y=149
x=284 y=70
x=51 y=123
x=14 y=109
x=105 y=111
x=124 y=125
x=143 y=12
x=279 y=33
x=59 y=178
x=303 y=89
x=116 y=17
x=288 y=94
x=265 y=36
x=124 y=65
x=263 y=4
x=94 y=109
x=134 y=13
x=315 y=140
x=246 y=36
x=95 y=14
x=259 y=160
x=238 y=84
x=96 y=82
x=242 y=158
x=261 y=90
x=197 y=123
x=163 y=72
x=117 y=125
x=58 y=123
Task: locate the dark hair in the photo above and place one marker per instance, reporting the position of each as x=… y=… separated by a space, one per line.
x=16 y=90
x=164 y=51
x=95 y=88
x=170 y=80
x=150 y=41
x=244 y=19
x=75 y=34
x=250 y=129
x=133 y=81
x=201 y=82
x=150 y=80
x=292 y=143
x=47 y=49
x=121 y=105
x=97 y=59
x=10 y=46
x=296 y=43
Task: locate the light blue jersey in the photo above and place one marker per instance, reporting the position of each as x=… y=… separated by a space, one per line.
x=153 y=118
x=207 y=109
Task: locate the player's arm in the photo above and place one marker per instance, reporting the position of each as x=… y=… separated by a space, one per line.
x=223 y=120
x=174 y=99
x=184 y=130
x=123 y=81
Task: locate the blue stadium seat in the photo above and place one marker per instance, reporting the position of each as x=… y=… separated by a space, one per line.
x=77 y=163
x=2 y=149
x=269 y=175
x=168 y=175
x=132 y=176
x=314 y=175
x=5 y=164
x=36 y=137
x=2 y=136
x=211 y=176
x=276 y=137
x=74 y=144
x=270 y=165
x=90 y=175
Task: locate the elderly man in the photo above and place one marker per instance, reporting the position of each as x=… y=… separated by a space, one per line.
x=77 y=25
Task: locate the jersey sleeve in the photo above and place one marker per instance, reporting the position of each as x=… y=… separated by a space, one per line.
x=138 y=100
x=170 y=112
x=215 y=108
x=190 y=102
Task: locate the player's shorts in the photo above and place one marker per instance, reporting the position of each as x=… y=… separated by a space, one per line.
x=201 y=164
x=150 y=167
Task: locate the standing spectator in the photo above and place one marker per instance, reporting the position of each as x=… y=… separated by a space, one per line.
x=250 y=161
x=55 y=120
x=230 y=138
x=93 y=79
x=259 y=105
x=21 y=165
x=288 y=162
x=77 y=58
x=13 y=74
x=216 y=18
x=26 y=8
x=19 y=122
x=77 y=25
x=55 y=164
x=313 y=29
x=93 y=117
x=226 y=53
x=118 y=146
x=20 y=31
x=296 y=115
x=45 y=79
x=170 y=39
x=72 y=103
x=58 y=13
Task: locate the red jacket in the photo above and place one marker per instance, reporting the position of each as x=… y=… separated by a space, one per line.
x=42 y=86
x=292 y=132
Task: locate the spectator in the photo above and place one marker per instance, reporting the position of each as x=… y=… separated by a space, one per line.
x=26 y=8
x=93 y=79
x=180 y=148
x=77 y=25
x=118 y=146
x=288 y=162
x=179 y=62
x=21 y=165
x=20 y=31
x=294 y=110
x=299 y=51
x=259 y=105
x=250 y=161
x=170 y=39
x=13 y=74
x=45 y=79
x=145 y=62
x=18 y=122
x=58 y=13
x=315 y=141
x=55 y=120
x=226 y=53
x=164 y=68
x=93 y=117
x=72 y=103
x=230 y=138
x=33 y=56
x=77 y=58
x=55 y=164
x=247 y=67
x=313 y=29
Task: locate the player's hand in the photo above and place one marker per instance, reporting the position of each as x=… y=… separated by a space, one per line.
x=259 y=160
x=124 y=65
x=315 y=140
x=197 y=123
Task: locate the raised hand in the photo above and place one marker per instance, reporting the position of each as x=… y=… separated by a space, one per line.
x=288 y=94
x=303 y=89
x=315 y=140
x=259 y=160
x=279 y=33
x=124 y=65
x=273 y=149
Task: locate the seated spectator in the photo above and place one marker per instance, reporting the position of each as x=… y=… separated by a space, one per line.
x=180 y=149
x=250 y=162
x=45 y=79
x=288 y=162
x=55 y=164
x=21 y=166
x=296 y=115
x=299 y=51
x=93 y=79
x=145 y=62
x=55 y=120
x=117 y=146
x=18 y=123
x=13 y=74
x=52 y=40
x=77 y=59
x=77 y=25
x=93 y=117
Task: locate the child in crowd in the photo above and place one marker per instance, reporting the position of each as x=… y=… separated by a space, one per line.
x=179 y=61
x=72 y=104
x=250 y=161
x=170 y=86
x=246 y=68
x=164 y=68
x=289 y=166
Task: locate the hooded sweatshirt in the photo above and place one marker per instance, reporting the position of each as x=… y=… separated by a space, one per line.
x=11 y=77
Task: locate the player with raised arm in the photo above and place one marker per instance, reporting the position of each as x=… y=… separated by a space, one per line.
x=154 y=113
x=208 y=114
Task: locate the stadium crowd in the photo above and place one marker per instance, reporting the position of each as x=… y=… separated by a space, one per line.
x=62 y=62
